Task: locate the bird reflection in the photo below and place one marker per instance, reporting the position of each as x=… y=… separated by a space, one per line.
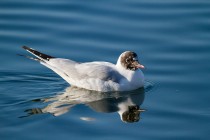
x=127 y=104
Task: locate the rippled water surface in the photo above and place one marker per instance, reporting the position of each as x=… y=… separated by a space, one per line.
x=171 y=37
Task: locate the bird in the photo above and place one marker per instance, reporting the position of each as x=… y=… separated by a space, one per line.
x=125 y=75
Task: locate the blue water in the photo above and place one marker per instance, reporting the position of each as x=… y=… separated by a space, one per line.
x=171 y=37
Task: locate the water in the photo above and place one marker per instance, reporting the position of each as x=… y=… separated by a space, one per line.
x=171 y=37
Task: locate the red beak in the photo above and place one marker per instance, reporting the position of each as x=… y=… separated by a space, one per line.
x=139 y=66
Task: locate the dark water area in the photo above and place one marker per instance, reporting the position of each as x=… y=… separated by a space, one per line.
x=171 y=37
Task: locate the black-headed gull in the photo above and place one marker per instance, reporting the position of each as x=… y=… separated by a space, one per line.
x=99 y=76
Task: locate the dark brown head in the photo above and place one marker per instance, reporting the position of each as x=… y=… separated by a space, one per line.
x=129 y=60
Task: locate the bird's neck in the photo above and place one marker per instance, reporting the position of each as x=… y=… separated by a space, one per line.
x=128 y=74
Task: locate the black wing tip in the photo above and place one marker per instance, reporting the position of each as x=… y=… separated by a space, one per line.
x=38 y=54
x=25 y=47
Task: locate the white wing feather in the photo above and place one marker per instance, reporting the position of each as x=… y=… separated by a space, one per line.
x=100 y=76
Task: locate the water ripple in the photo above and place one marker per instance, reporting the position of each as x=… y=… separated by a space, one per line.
x=171 y=38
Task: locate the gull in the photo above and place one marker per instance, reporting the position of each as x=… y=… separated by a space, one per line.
x=125 y=75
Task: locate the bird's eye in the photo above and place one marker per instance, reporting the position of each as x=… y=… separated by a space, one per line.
x=127 y=60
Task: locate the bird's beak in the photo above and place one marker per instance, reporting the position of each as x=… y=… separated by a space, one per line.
x=138 y=65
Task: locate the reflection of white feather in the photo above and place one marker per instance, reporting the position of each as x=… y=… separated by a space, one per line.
x=98 y=101
x=87 y=119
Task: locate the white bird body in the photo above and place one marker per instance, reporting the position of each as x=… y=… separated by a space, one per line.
x=98 y=76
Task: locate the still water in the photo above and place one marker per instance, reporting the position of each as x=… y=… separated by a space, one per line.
x=171 y=37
